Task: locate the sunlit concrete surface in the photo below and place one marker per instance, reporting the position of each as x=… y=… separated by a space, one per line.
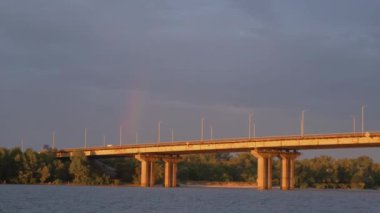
x=264 y=149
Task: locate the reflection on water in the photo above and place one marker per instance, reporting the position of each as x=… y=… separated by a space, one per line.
x=27 y=198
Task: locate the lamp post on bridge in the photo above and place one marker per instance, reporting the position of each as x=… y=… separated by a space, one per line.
x=363 y=107
x=172 y=134
x=159 y=132
x=353 y=124
x=249 y=124
x=120 y=135
x=302 y=123
x=137 y=137
x=85 y=137
x=202 y=124
x=211 y=133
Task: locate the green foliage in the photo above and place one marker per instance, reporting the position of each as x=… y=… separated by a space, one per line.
x=218 y=167
x=45 y=174
x=125 y=169
x=326 y=172
x=29 y=164
x=79 y=168
x=3 y=163
x=30 y=167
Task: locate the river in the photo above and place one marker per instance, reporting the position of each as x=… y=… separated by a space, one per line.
x=39 y=198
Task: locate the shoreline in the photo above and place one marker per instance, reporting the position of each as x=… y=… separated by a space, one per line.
x=194 y=184
x=204 y=184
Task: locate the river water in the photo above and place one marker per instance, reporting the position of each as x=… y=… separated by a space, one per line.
x=35 y=198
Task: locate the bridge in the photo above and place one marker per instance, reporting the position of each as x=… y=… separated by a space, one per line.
x=263 y=148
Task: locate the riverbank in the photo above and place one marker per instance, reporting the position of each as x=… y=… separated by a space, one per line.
x=190 y=184
x=208 y=184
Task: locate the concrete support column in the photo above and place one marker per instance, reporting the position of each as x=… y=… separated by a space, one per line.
x=144 y=173
x=147 y=170
x=151 y=175
x=170 y=171
x=269 y=172
x=291 y=171
x=261 y=173
x=174 y=175
x=284 y=173
x=288 y=170
x=264 y=169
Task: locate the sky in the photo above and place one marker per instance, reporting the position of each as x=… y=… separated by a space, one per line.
x=75 y=64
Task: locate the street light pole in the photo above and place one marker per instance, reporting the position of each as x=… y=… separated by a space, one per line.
x=85 y=137
x=137 y=137
x=354 y=124
x=53 y=140
x=302 y=122
x=172 y=135
x=211 y=133
x=202 y=123
x=159 y=132
x=120 y=134
x=249 y=125
x=363 y=107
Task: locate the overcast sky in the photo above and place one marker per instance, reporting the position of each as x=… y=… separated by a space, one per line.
x=67 y=65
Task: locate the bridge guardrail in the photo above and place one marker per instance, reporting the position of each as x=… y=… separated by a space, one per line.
x=230 y=140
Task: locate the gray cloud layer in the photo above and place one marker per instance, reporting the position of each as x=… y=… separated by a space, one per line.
x=66 y=65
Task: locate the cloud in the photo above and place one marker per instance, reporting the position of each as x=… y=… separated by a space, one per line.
x=73 y=63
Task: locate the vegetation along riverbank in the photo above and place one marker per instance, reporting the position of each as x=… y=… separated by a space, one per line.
x=227 y=170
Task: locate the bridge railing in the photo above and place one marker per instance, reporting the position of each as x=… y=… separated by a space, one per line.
x=231 y=140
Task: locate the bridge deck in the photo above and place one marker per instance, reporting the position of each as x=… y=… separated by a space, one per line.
x=329 y=141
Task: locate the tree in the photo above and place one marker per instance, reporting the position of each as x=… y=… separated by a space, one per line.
x=13 y=165
x=45 y=174
x=29 y=171
x=60 y=171
x=362 y=177
x=3 y=163
x=79 y=168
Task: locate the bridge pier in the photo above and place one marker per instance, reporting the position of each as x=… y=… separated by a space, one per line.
x=171 y=171
x=264 y=169
x=287 y=169
x=147 y=170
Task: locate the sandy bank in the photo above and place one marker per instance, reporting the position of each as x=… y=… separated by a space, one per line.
x=219 y=184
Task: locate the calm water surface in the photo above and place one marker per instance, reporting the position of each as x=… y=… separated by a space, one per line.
x=29 y=198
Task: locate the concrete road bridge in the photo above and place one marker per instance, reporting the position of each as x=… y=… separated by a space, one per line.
x=287 y=148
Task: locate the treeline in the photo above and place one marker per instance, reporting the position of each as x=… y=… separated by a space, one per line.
x=30 y=167
x=319 y=172
x=327 y=172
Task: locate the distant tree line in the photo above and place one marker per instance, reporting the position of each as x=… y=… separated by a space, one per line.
x=327 y=172
x=30 y=167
